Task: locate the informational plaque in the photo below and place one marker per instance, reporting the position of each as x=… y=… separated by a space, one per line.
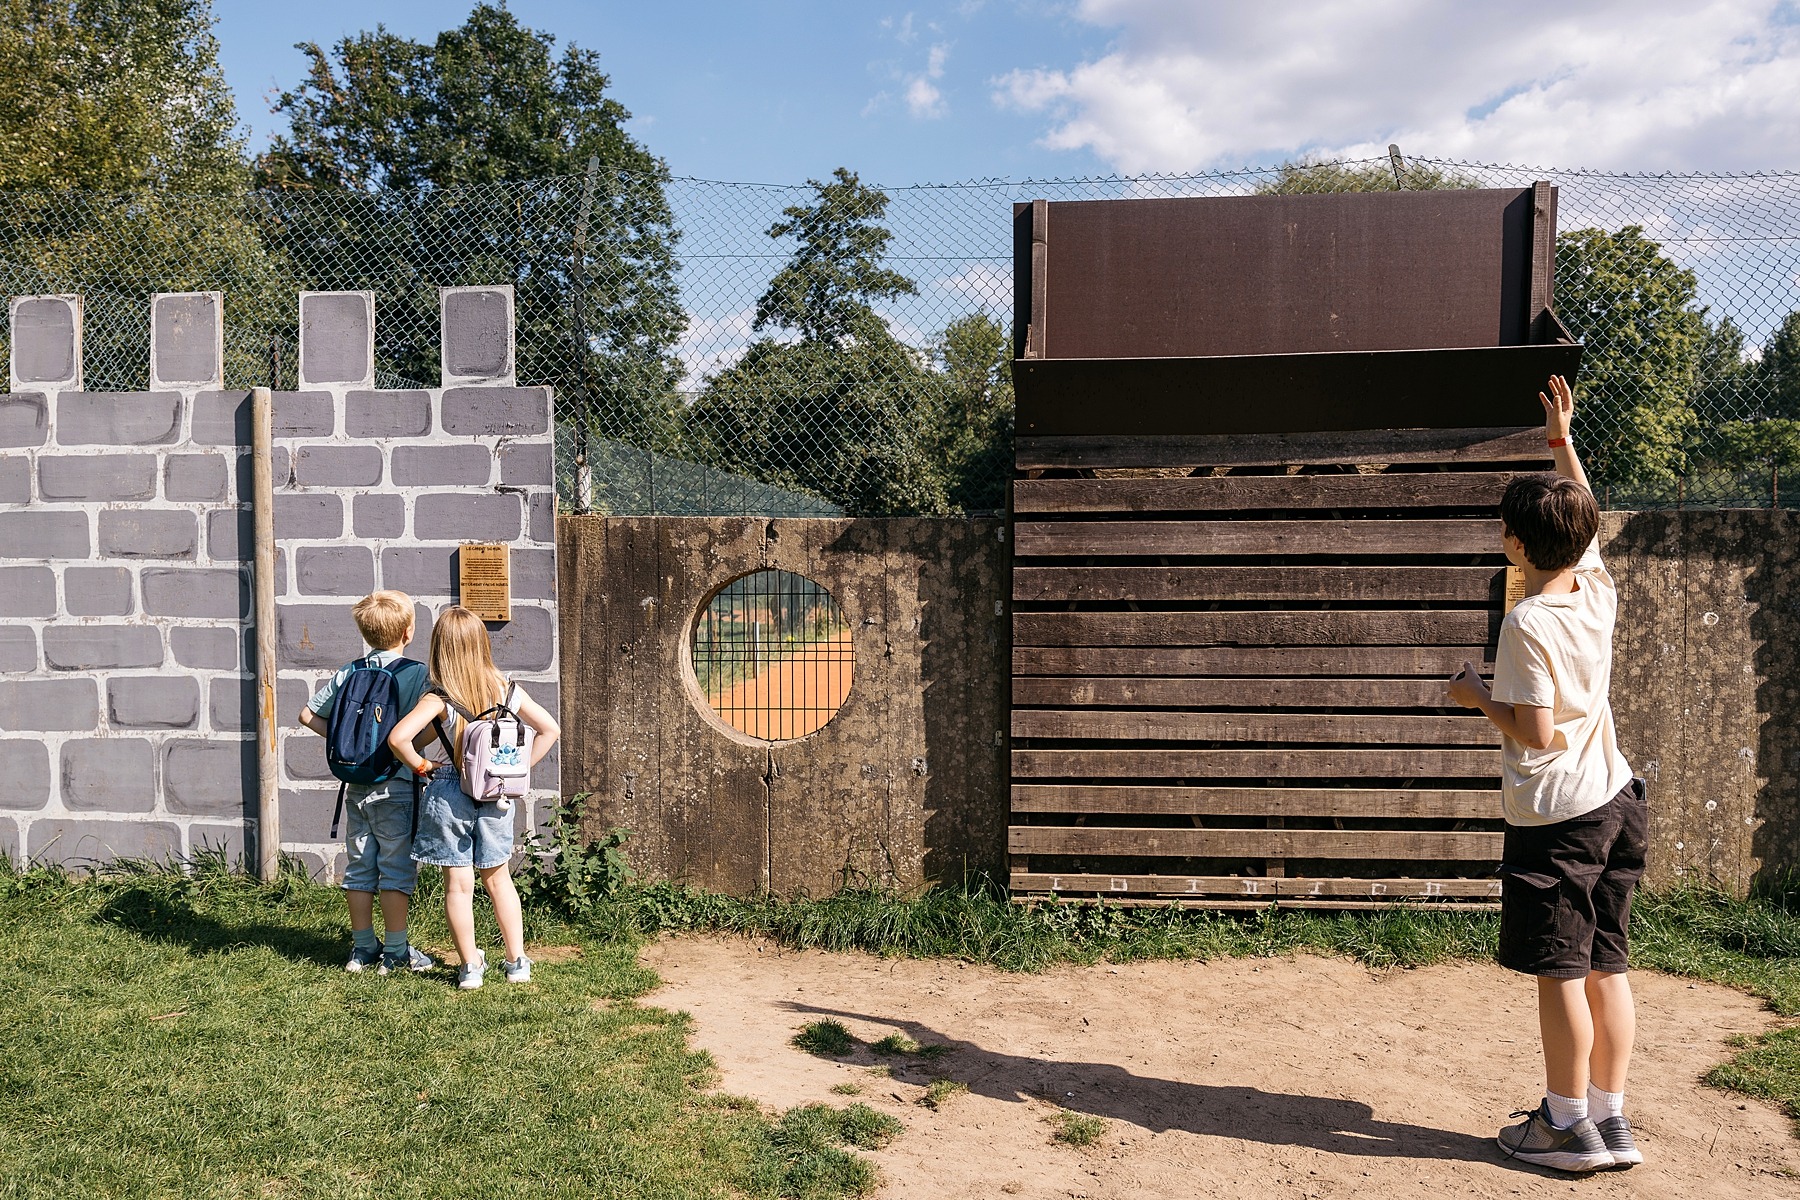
x=1515 y=586
x=486 y=576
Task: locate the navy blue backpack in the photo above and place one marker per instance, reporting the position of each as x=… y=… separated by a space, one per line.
x=364 y=712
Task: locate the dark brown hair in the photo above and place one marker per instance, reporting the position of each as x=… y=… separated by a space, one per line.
x=1553 y=517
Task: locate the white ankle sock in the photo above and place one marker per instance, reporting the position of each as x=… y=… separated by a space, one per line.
x=1602 y=1105
x=1565 y=1110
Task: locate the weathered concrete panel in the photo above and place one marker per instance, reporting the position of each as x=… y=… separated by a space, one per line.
x=187 y=339
x=25 y=762
x=476 y=324
x=496 y=411
x=302 y=414
x=46 y=341
x=24 y=420
x=337 y=338
x=117 y=418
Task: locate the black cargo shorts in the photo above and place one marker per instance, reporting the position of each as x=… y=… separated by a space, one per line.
x=1565 y=899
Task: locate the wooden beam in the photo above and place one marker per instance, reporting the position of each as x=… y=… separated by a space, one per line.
x=1217 y=493
x=1513 y=444
x=1075 y=691
x=1405 y=628
x=1245 y=886
x=1339 y=729
x=1438 y=662
x=1256 y=764
x=1473 y=585
x=1392 y=803
x=1118 y=539
x=1364 y=844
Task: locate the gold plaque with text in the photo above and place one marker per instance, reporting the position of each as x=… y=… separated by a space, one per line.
x=1515 y=586
x=485 y=573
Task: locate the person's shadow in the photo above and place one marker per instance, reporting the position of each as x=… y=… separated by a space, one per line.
x=1160 y=1105
x=162 y=915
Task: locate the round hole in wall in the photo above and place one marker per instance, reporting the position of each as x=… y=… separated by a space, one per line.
x=771 y=655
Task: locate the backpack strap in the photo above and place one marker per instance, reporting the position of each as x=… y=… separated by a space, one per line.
x=339 y=810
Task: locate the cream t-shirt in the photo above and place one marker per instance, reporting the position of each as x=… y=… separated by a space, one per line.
x=1556 y=652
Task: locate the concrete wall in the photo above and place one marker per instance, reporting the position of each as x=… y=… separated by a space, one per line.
x=126 y=703
x=907 y=782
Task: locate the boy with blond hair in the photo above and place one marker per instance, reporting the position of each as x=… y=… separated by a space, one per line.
x=379 y=832
x=1576 y=825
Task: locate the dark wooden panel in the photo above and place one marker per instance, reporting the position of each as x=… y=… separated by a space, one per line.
x=1121 y=538
x=1380 y=844
x=1436 y=661
x=1074 y=691
x=1255 y=802
x=1241 y=885
x=1465 y=584
x=1267 y=274
x=1341 y=729
x=1220 y=493
x=1510 y=444
x=1255 y=764
x=1402 y=628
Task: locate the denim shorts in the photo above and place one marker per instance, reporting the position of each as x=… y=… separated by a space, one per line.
x=455 y=831
x=378 y=838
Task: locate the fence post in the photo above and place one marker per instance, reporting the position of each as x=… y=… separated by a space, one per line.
x=268 y=799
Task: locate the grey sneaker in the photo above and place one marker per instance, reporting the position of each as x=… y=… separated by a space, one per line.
x=415 y=960
x=361 y=960
x=1616 y=1133
x=518 y=970
x=1579 y=1148
x=468 y=976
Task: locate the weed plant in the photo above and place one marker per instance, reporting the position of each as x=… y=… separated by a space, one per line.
x=827 y=1038
x=940 y=1091
x=1076 y=1129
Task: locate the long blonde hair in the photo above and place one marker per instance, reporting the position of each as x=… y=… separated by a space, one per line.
x=462 y=663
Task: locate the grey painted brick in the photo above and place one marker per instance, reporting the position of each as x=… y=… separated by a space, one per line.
x=96 y=476
x=45 y=340
x=196 y=592
x=302 y=414
x=24 y=419
x=525 y=643
x=27 y=592
x=281 y=572
x=148 y=533
x=337 y=466
x=97 y=591
x=221 y=419
x=50 y=705
x=548 y=773
x=25 y=765
x=303 y=758
x=18 y=648
x=419 y=648
x=210 y=778
x=478 y=333
x=443 y=466
x=15 y=480
x=206 y=648
x=464 y=517
x=76 y=842
x=496 y=411
x=89 y=647
x=306 y=813
x=420 y=570
x=229 y=534
x=542 y=507
x=533 y=574
x=229 y=840
x=44 y=534
x=231 y=701
x=185 y=337
x=291 y=695
x=387 y=414
x=334 y=338
x=378 y=516
x=322 y=868
x=111 y=774
x=335 y=570
x=153 y=702
x=195 y=477
x=308 y=515
x=316 y=635
x=527 y=464
x=117 y=418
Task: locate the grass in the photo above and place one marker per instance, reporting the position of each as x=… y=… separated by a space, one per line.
x=895 y=1043
x=1076 y=1129
x=939 y=1092
x=827 y=1038
x=846 y=1089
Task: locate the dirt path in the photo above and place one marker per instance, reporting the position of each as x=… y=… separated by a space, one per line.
x=794 y=695
x=1283 y=1077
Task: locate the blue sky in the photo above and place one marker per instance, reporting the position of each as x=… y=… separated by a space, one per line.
x=785 y=90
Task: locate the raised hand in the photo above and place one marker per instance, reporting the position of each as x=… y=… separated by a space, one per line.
x=1559 y=407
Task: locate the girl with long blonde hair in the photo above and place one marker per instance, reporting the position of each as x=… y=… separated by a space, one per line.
x=467 y=838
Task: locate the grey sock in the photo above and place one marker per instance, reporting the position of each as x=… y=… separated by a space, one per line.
x=364 y=939
x=394 y=941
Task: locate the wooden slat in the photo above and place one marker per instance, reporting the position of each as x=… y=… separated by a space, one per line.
x=1064 y=691
x=1378 y=844
x=1322 y=903
x=1337 y=729
x=1246 y=886
x=1521 y=444
x=1119 y=539
x=1150 y=584
x=1256 y=802
x=1403 y=628
x=1438 y=662
x=1413 y=489
x=1255 y=764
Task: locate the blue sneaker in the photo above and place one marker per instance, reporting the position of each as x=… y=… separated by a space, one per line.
x=468 y=976
x=361 y=960
x=414 y=959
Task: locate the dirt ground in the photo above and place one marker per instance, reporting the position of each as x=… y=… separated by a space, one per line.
x=1295 y=1077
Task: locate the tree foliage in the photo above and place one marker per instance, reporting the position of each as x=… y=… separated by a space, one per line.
x=824 y=291
x=1300 y=178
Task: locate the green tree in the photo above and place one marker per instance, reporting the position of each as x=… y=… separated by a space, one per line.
x=1778 y=373
x=1297 y=178
x=408 y=166
x=824 y=291
x=973 y=417
x=1634 y=310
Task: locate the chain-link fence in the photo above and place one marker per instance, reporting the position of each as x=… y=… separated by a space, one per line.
x=723 y=348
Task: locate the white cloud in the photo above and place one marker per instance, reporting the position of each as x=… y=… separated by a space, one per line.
x=924 y=98
x=1639 y=84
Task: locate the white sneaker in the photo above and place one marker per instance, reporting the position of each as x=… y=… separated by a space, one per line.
x=468 y=976
x=518 y=970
